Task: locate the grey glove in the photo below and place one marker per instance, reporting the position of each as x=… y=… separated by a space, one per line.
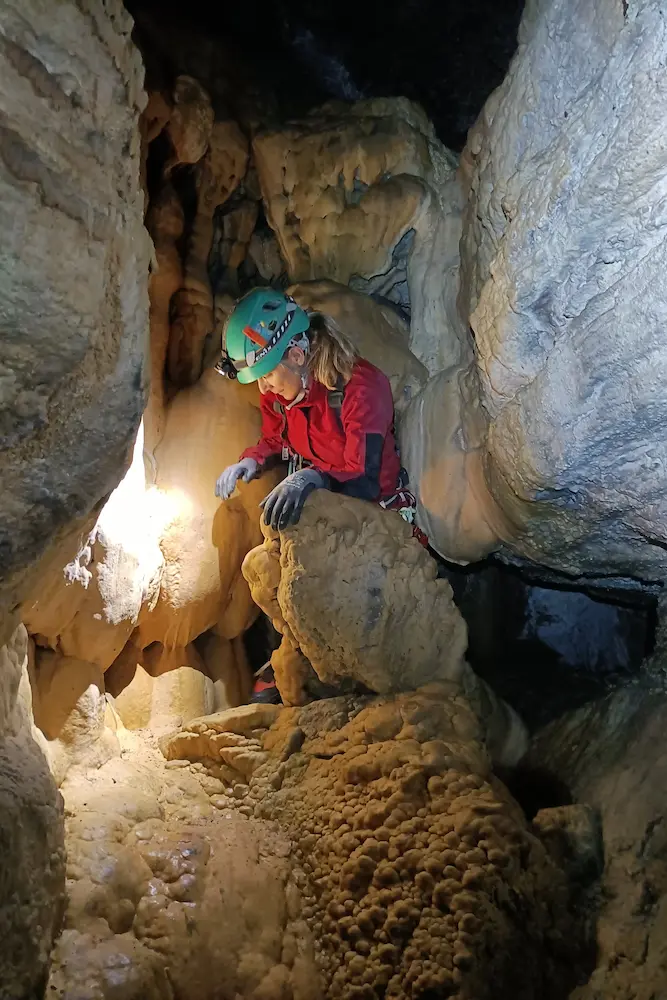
x=246 y=470
x=284 y=504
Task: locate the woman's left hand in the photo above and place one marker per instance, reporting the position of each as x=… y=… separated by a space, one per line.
x=284 y=504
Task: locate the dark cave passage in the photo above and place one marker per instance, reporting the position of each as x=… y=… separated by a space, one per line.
x=446 y=56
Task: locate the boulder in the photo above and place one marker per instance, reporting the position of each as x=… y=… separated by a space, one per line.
x=354 y=591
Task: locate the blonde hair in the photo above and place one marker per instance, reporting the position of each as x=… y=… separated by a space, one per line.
x=332 y=355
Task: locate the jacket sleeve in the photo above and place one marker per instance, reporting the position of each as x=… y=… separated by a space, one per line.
x=270 y=443
x=367 y=416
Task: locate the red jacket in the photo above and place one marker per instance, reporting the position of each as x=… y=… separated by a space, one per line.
x=355 y=445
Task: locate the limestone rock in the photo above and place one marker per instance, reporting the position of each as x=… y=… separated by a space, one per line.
x=610 y=755
x=204 y=540
x=72 y=272
x=216 y=177
x=264 y=252
x=32 y=875
x=359 y=596
x=173 y=894
x=169 y=690
x=443 y=445
x=417 y=872
x=242 y=720
x=564 y=283
x=136 y=574
x=191 y=121
x=60 y=682
x=376 y=330
x=227 y=666
x=346 y=187
x=165 y=222
x=88 y=608
x=152 y=121
x=156 y=115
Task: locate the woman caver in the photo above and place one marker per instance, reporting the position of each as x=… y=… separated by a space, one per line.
x=325 y=410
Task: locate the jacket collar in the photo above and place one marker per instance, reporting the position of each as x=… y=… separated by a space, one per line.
x=315 y=393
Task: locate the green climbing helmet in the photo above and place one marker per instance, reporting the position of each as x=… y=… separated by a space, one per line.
x=259 y=331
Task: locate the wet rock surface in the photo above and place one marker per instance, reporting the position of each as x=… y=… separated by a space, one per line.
x=172 y=891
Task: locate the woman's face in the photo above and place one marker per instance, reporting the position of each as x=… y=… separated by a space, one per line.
x=285 y=380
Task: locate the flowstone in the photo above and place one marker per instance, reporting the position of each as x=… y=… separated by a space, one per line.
x=417 y=872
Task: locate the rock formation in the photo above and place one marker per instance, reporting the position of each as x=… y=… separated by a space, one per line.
x=174 y=893
x=165 y=222
x=32 y=879
x=443 y=443
x=190 y=122
x=562 y=280
x=375 y=329
x=217 y=175
x=416 y=872
x=162 y=565
x=611 y=754
x=73 y=279
x=366 y=194
x=73 y=275
x=354 y=591
x=358 y=846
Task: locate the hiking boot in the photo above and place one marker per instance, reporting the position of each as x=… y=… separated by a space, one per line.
x=265 y=690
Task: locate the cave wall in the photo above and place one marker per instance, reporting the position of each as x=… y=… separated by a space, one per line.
x=611 y=754
x=563 y=283
x=73 y=271
x=73 y=282
x=32 y=877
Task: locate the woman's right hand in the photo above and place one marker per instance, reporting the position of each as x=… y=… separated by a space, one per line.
x=246 y=470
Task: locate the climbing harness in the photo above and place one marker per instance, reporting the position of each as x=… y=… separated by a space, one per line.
x=404 y=502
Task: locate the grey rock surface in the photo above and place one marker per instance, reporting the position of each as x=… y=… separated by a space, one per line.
x=564 y=282
x=611 y=754
x=73 y=269
x=32 y=873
